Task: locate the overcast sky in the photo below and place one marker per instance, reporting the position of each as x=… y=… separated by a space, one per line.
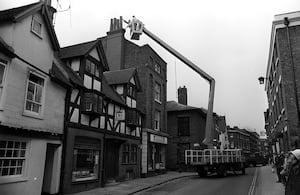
x=229 y=40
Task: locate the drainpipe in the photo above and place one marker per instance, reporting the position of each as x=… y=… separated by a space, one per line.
x=64 y=141
x=286 y=23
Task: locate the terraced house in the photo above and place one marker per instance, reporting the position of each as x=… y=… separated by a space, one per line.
x=33 y=85
x=102 y=134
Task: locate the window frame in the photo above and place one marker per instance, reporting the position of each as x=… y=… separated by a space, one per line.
x=126 y=153
x=32 y=113
x=185 y=131
x=157 y=92
x=83 y=143
x=23 y=175
x=157 y=120
x=33 y=21
x=3 y=62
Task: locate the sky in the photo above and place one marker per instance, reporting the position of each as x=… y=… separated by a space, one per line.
x=229 y=40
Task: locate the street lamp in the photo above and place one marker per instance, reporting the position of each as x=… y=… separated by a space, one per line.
x=261 y=80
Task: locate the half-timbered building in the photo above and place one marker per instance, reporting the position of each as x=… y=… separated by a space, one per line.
x=99 y=146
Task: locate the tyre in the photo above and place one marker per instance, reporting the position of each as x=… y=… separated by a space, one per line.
x=222 y=171
x=243 y=171
x=202 y=172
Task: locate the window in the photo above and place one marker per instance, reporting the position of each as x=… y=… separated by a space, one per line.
x=157 y=92
x=157 y=120
x=12 y=157
x=131 y=91
x=125 y=154
x=181 y=147
x=86 y=159
x=36 y=27
x=92 y=103
x=133 y=154
x=92 y=68
x=34 y=94
x=183 y=126
x=3 y=64
x=157 y=68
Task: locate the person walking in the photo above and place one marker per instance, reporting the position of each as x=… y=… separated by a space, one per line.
x=292 y=186
x=279 y=160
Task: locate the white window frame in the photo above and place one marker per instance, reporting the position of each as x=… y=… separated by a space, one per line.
x=157 y=120
x=36 y=20
x=157 y=93
x=23 y=175
x=31 y=113
x=3 y=62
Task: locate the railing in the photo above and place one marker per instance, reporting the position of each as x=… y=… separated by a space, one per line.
x=212 y=156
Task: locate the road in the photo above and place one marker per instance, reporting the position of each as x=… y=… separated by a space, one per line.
x=211 y=185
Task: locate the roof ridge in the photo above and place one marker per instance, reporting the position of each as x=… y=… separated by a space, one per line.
x=78 y=44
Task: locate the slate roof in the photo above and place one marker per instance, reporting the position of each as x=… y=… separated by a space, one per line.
x=10 y=14
x=111 y=93
x=119 y=76
x=76 y=50
x=174 y=106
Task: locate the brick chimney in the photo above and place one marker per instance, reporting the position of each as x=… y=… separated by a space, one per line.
x=182 y=95
x=114 y=44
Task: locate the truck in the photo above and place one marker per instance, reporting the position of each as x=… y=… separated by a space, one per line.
x=216 y=161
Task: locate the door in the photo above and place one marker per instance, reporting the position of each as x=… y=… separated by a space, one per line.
x=51 y=170
x=112 y=159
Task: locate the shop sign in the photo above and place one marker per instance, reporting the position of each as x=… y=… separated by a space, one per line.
x=158 y=139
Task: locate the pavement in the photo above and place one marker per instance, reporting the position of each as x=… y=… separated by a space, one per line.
x=137 y=185
x=264 y=183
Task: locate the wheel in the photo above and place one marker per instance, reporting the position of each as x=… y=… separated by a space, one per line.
x=243 y=171
x=202 y=172
x=222 y=171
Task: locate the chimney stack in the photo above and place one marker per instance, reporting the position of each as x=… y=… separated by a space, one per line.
x=116 y=24
x=182 y=95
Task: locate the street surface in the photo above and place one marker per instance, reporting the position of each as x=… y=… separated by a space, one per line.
x=212 y=185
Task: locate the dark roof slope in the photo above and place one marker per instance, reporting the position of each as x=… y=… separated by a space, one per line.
x=6 y=49
x=76 y=50
x=174 y=106
x=10 y=14
x=119 y=76
x=111 y=93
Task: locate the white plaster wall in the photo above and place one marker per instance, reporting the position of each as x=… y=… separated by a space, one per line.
x=37 y=51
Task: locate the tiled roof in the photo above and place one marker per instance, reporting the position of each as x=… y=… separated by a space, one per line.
x=76 y=50
x=119 y=76
x=11 y=13
x=111 y=93
x=174 y=106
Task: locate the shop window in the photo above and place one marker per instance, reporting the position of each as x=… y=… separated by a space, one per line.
x=183 y=126
x=86 y=159
x=12 y=158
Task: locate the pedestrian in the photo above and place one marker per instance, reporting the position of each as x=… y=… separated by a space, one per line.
x=279 y=166
x=292 y=186
x=284 y=171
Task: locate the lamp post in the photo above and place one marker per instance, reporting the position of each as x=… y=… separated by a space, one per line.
x=262 y=80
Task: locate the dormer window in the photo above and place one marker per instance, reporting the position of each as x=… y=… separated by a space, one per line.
x=36 y=27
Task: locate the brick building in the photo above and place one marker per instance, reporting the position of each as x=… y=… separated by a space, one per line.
x=239 y=139
x=282 y=83
x=151 y=101
x=186 y=129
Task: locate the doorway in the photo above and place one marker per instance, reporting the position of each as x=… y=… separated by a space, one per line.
x=51 y=170
x=112 y=160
